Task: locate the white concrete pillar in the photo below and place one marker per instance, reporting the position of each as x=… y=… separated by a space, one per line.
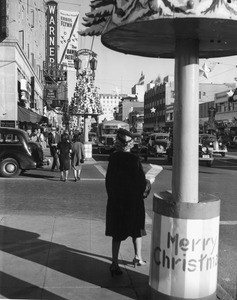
x=186 y=122
x=86 y=129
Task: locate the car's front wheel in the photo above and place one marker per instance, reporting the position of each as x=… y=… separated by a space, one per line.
x=223 y=154
x=9 y=167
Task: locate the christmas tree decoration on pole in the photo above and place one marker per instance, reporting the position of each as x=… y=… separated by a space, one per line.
x=86 y=97
x=86 y=102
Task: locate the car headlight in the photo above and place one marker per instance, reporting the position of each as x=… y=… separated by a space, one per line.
x=204 y=149
x=220 y=143
x=211 y=143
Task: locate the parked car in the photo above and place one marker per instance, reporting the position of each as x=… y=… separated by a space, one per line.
x=17 y=153
x=158 y=143
x=139 y=148
x=233 y=143
x=204 y=154
x=211 y=142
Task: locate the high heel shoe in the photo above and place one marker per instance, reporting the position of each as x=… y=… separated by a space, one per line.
x=115 y=270
x=138 y=262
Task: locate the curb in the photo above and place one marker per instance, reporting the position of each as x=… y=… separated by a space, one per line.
x=222 y=294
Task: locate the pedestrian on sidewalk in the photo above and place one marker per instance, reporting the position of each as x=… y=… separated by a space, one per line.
x=126 y=187
x=41 y=139
x=64 y=149
x=53 y=140
x=77 y=156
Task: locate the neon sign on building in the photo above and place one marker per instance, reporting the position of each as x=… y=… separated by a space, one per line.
x=51 y=33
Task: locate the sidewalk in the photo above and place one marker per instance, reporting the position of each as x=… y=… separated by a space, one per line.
x=64 y=258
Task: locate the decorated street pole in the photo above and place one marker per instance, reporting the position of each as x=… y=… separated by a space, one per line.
x=185 y=235
x=85 y=102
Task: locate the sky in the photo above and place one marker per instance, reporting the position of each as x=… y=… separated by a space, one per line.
x=120 y=72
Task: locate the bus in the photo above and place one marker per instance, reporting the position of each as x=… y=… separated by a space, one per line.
x=107 y=132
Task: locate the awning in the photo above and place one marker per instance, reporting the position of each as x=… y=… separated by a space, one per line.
x=26 y=115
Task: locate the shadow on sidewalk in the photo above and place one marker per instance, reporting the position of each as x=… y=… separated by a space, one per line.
x=85 y=266
x=14 y=288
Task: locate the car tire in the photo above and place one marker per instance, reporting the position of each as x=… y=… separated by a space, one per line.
x=9 y=167
x=223 y=154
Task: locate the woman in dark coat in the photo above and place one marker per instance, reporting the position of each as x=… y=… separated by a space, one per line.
x=125 y=186
x=64 y=148
x=78 y=156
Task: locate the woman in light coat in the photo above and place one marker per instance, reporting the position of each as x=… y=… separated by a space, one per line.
x=77 y=157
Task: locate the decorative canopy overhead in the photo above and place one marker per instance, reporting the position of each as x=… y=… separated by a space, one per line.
x=151 y=27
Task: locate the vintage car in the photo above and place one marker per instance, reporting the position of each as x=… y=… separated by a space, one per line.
x=106 y=144
x=210 y=141
x=17 y=153
x=225 y=140
x=233 y=143
x=158 y=143
x=204 y=154
x=139 y=148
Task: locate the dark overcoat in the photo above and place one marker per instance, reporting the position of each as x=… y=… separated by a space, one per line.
x=125 y=186
x=64 y=155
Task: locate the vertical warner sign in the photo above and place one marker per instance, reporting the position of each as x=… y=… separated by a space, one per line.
x=51 y=33
x=68 y=41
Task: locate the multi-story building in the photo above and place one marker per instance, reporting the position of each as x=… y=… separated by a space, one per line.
x=139 y=91
x=156 y=98
x=213 y=95
x=22 y=52
x=210 y=95
x=109 y=104
x=127 y=105
x=226 y=107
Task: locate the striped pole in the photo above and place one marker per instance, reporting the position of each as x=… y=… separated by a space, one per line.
x=184 y=251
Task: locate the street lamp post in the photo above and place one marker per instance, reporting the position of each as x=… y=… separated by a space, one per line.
x=85 y=63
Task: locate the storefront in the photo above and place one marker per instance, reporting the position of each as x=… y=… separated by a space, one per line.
x=28 y=119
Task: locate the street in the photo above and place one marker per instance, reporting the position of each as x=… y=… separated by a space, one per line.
x=39 y=193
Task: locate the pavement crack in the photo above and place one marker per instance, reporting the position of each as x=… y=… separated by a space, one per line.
x=47 y=260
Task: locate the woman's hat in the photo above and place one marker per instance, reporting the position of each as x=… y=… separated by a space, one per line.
x=124 y=136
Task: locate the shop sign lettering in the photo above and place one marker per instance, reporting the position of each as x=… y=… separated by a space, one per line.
x=51 y=49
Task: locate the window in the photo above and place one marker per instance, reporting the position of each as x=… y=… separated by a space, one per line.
x=21 y=39
x=9 y=138
x=28 y=51
x=32 y=18
x=33 y=59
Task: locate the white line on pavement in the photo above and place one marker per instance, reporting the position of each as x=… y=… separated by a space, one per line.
x=228 y=222
x=101 y=170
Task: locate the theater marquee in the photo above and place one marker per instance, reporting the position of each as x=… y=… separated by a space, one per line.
x=51 y=32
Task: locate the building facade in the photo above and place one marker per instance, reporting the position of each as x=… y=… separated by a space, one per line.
x=127 y=105
x=109 y=104
x=139 y=91
x=156 y=99
x=22 y=53
x=226 y=107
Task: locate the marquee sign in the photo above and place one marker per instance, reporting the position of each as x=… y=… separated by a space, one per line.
x=51 y=32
